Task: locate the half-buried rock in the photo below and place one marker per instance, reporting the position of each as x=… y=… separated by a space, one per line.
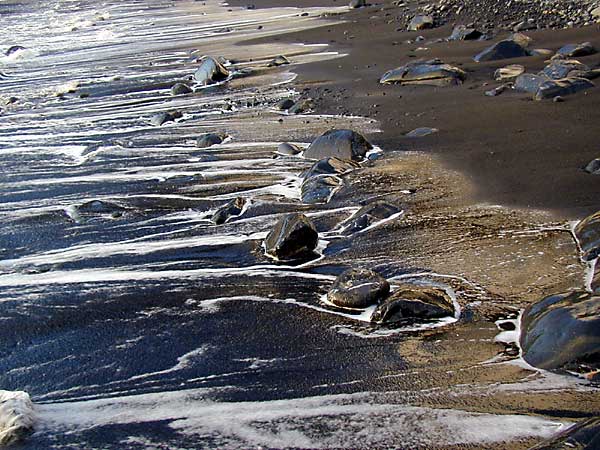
x=502 y=50
x=319 y=188
x=293 y=237
x=161 y=118
x=588 y=235
x=369 y=215
x=358 y=288
x=420 y=22
x=566 y=86
x=209 y=139
x=285 y=148
x=210 y=71
x=573 y=50
x=411 y=302
x=562 y=332
x=330 y=166
x=278 y=61
x=231 y=209
x=433 y=72
x=343 y=144
x=181 y=89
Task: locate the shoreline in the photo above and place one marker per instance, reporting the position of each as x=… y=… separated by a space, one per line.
x=517 y=152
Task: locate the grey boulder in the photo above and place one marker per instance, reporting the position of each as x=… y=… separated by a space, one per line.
x=502 y=50
x=181 y=89
x=209 y=139
x=210 y=71
x=573 y=50
x=562 y=331
x=421 y=22
x=293 y=237
x=330 y=166
x=369 y=215
x=559 y=69
x=342 y=144
x=319 y=188
x=529 y=82
x=285 y=148
x=566 y=86
x=278 y=61
x=463 y=33
x=358 y=288
x=593 y=167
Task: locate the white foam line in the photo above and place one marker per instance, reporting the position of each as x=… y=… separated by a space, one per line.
x=293 y=422
x=114 y=275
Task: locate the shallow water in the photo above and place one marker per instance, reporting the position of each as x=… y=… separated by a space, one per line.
x=137 y=322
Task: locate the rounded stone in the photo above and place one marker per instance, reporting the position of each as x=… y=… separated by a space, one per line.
x=293 y=237
x=358 y=288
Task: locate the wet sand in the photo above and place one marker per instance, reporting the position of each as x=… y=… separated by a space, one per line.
x=517 y=152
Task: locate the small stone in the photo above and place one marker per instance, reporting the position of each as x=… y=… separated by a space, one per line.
x=180 y=89
x=293 y=237
x=506 y=49
x=209 y=139
x=509 y=72
x=358 y=288
x=285 y=148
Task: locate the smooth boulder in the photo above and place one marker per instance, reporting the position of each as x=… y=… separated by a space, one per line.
x=209 y=139
x=342 y=144
x=330 y=166
x=433 y=72
x=421 y=22
x=210 y=71
x=502 y=50
x=231 y=209
x=358 y=288
x=293 y=237
x=566 y=86
x=562 y=331
x=181 y=89
x=587 y=233
x=369 y=215
x=573 y=50
x=319 y=188
x=161 y=118
x=410 y=302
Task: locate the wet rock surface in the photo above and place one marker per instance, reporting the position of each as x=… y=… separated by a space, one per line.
x=413 y=302
x=319 y=188
x=285 y=148
x=330 y=166
x=572 y=343
x=293 y=237
x=506 y=49
x=300 y=107
x=181 y=89
x=588 y=235
x=583 y=435
x=342 y=144
x=231 y=209
x=210 y=71
x=358 y=288
x=432 y=72
x=369 y=215
x=575 y=50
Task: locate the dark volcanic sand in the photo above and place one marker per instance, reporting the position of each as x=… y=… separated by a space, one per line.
x=518 y=152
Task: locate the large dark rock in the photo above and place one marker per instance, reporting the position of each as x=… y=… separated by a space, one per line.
x=319 y=188
x=574 y=50
x=588 y=235
x=412 y=302
x=566 y=86
x=292 y=237
x=421 y=22
x=210 y=71
x=181 y=89
x=583 y=435
x=343 y=144
x=284 y=104
x=369 y=215
x=433 y=72
x=502 y=50
x=529 y=82
x=463 y=33
x=330 y=166
x=358 y=288
x=209 y=139
x=562 y=331
x=558 y=69
x=231 y=209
